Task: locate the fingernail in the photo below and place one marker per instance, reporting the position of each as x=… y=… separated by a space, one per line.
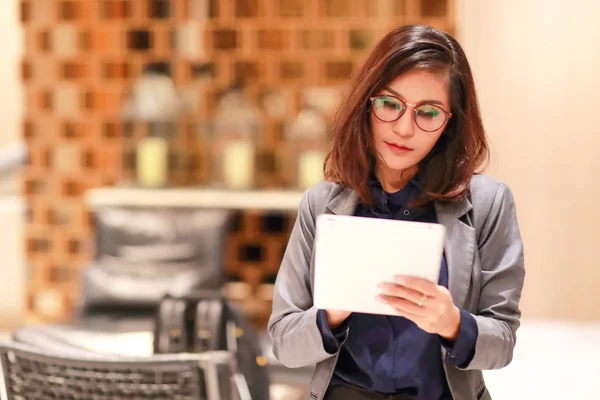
x=399 y=279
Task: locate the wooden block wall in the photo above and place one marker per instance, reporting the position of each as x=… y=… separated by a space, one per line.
x=81 y=58
x=255 y=246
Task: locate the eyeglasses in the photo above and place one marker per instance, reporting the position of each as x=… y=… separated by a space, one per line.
x=428 y=117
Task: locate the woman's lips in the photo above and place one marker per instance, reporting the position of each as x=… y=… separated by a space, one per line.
x=398 y=148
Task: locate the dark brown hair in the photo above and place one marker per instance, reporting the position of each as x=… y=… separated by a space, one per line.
x=461 y=150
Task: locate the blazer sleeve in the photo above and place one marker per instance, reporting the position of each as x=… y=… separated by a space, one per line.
x=503 y=273
x=293 y=328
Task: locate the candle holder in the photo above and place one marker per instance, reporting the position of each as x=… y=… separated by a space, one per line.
x=236 y=129
x=153 y=110
x=306 y=140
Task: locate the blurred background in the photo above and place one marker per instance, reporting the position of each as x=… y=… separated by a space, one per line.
x=119 y=115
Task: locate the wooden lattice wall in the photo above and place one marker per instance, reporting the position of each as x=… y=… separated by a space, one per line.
x=81 y=58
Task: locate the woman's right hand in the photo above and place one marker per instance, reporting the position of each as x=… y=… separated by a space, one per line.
x=335 y=317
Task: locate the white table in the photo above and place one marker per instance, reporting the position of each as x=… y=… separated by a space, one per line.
x=268 y=199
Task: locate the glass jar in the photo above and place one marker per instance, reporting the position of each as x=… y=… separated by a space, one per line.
x=236 y=130
x=306 y=143
x=153 y=109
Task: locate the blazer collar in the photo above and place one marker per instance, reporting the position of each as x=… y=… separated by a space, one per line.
x=345 y=201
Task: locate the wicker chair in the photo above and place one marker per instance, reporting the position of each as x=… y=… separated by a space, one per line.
x=30 y=372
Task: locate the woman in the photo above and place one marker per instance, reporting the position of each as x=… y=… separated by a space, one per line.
x=408 y=140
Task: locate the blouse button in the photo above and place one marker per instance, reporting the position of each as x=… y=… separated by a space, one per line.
x=406 y=212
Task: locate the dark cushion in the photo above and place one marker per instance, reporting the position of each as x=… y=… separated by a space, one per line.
x=144 y=253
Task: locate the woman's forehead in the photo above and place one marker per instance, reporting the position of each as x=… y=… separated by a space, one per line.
x=420 y=85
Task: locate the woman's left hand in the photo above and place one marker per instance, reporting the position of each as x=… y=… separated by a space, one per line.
x=427 y=304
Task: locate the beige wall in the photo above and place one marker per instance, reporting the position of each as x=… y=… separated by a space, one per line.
x=537 y=66
x=12 y=284
x=11 y=100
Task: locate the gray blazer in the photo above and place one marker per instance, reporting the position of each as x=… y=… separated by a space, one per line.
x=484 y=253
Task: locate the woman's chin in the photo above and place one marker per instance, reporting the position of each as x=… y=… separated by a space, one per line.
x=396 y=165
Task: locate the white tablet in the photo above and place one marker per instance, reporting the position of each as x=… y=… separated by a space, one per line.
x=354 y=254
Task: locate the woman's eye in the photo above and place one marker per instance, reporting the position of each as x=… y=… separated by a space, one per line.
x=428 y=112
x=385 y=102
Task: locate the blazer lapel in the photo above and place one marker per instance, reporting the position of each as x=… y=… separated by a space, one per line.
x=344 y=202
x=459 y=248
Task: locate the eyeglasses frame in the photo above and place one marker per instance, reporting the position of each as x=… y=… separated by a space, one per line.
x=447 y=114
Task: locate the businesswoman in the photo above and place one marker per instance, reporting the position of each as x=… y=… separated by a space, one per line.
x=408 y=143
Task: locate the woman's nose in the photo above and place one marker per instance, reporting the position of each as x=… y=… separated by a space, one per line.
x=405 y=125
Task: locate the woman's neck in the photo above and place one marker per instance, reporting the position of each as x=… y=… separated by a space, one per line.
x=394 y=180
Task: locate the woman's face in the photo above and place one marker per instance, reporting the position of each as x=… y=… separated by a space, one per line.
x=400 y=145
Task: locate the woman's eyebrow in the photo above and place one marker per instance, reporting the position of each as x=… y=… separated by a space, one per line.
x=392 y=91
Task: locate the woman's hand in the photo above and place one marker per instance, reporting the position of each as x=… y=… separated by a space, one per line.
x=425 y=303
x=335 y=318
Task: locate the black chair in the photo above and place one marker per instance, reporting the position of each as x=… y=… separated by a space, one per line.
x=28 y=372
x=143 y=254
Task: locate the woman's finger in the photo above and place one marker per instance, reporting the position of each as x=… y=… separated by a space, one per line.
x=418 y=284
x=392 y=289
x=404 y=306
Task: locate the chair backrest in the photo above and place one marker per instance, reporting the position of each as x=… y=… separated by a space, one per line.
x=144 y=253
x=28 y=372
